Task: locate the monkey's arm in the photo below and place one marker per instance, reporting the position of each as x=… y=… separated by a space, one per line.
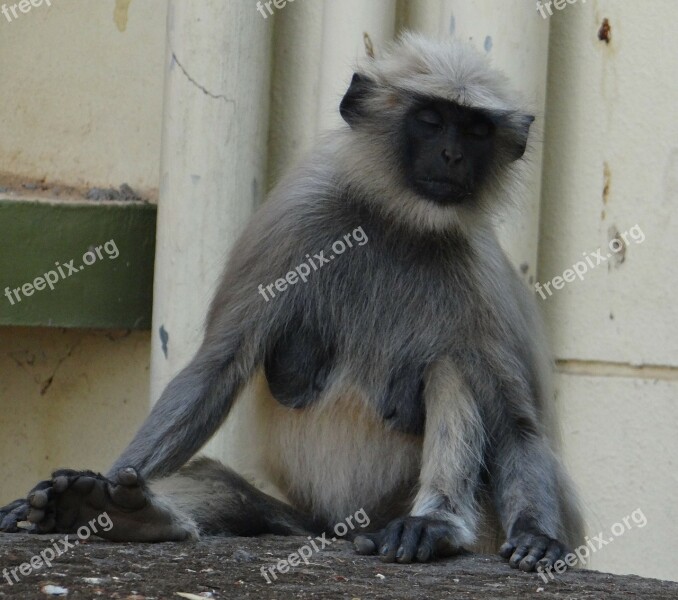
x=527 y=493
x=454 y=442
x=192 y=406
x=444 y=516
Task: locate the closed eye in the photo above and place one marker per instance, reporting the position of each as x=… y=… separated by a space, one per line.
x=480 y=129
x=430 y=117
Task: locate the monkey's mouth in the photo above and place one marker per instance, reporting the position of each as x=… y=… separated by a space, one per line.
x=443 y=191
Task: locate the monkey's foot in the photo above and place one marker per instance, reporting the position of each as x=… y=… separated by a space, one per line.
x=13 y=514
x=120 y=509
x=13 y=517
x=529 y=551
x=409 y=539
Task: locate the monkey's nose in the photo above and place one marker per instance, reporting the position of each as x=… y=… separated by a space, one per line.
x=454 y=157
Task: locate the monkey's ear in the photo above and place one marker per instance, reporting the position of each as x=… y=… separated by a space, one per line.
x=351 y=107
x=520 y=124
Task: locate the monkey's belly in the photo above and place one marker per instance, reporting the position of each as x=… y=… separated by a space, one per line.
x=335 y=456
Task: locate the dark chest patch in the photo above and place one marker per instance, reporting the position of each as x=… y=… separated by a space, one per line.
x=298 y=366
x=402 y=406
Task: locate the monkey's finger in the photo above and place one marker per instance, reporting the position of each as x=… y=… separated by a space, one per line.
x=520 y=552
x=390 y=541
x=553 y=553
x=506 y=549
x=413 y=531
x=366 y=543
x=536 y=552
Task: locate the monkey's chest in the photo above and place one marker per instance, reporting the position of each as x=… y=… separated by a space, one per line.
x=305 y=363
x=380 y=337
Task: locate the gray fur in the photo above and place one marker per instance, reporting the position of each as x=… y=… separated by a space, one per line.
x=431 y=295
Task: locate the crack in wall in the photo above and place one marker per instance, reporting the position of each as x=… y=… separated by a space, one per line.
x=48 y=382
x=202 y=88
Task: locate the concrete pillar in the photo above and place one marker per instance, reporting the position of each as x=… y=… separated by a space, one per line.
x=213 y=165
x=345 y=23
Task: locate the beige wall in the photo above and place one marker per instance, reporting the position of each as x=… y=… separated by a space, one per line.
x=611 y=162
x=68 y=398
x=81 y=104
x=82 y=92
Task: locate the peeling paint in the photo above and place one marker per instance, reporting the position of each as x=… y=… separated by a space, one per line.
x=120 y=14
x=369 y=47
x=605 y=32
x=164 y=338
x=607 y=180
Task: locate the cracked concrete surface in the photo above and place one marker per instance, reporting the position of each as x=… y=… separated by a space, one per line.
x=231 y=568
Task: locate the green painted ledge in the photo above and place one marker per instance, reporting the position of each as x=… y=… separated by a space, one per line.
x=111 y=293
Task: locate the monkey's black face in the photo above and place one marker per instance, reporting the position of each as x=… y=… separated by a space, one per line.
x=447 y=148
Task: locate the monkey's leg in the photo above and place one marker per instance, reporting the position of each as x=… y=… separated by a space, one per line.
x=444 y=516
x=204 y=497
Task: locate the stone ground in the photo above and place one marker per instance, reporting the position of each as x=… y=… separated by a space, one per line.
x=230 y=568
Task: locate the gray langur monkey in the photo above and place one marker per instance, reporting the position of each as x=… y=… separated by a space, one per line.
x=406 y=376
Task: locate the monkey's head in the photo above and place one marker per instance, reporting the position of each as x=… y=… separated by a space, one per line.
x=434 y=131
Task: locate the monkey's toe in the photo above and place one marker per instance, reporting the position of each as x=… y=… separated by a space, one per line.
x=128 y=490
x=12 y=514
x=30 y=514
x=528 y=551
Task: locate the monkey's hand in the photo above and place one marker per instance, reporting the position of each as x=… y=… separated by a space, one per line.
x=409 y=539
x=531 y=550
x=120 y=509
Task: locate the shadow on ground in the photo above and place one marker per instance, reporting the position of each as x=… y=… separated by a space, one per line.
x=231 y=568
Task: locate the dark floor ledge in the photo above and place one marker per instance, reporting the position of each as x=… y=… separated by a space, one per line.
x=232 y=568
